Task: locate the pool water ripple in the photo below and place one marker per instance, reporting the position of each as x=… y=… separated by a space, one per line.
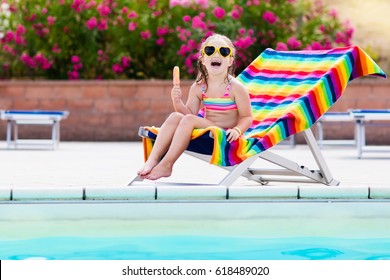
x=196 y=248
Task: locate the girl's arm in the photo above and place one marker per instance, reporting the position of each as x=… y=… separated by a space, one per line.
x=193 y=101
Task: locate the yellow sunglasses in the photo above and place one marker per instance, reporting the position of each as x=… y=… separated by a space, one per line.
x=224 y=51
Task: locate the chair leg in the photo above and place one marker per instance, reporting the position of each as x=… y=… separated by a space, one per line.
x=135 y=179
x=315 y=149
x=16 y=134
x=9 y=133
x=237 y=171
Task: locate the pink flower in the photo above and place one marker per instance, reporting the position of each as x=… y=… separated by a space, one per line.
x=132 y=26
x=102 y=56
x=32 y=17
x=188 y=62
x=183 y=34
x=75 y=59
x=51 y=20
x=184 y=49
x=146 y=34
x=9 y=36
x=157 y=13
x=120 y=20
x=197 y=22
x=236 y=12
x=132 y=14
x=117 y=68
x=125 y=61
x=219 y=12
x=9 y=49
x=78 y=5
x=162 y=31
x=160 y=41
x=20 y=41
x=103 y=10
x=42 y=61
x=253 y=3
x=90 y=4
x=192 y=44
x=281 y=46
x=91 y=23
x=241 y=31
x=77 y=66
x=102 y=25
x=244 y=43
x=315 y=46
x=349 y=32
x=20 y=29
x=152 y=4
x=333 y=13
x=203 y=3
x=46 y=65
x=44 y=11
x=56 y=49
x=293 y=43
x=186 y=18
x=270 y=17
x=340 y=37
x=73 y=75
x=41 y=32
x=327 y=45
x=182 y=3
x=124 y=10
x=28 y=61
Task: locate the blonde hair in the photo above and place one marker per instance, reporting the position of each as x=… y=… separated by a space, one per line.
x=202 y=71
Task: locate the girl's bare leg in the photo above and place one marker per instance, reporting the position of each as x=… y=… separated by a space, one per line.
x=161 y=145
x=180 y=141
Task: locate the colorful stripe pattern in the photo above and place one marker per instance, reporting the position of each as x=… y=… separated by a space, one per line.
x=219 y=103
x=289 y=91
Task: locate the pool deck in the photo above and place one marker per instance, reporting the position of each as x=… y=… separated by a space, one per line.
x=83 y=171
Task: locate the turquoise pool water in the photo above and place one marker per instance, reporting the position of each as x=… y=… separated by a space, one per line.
x=196 y=248
x=196 y=231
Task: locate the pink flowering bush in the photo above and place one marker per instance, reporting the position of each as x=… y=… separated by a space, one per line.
x=128 y=39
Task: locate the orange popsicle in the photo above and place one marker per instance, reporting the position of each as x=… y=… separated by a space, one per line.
x=176 y=76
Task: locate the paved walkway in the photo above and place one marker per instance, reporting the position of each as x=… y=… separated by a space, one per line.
x=114 y=164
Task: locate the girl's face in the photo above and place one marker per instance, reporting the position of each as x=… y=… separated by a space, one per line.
x=217 y=56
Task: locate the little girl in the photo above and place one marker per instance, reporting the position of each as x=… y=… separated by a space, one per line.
x=225 y=100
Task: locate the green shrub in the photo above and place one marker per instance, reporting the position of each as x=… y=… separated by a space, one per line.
x=143 y=39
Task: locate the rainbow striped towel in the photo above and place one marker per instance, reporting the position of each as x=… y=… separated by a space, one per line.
x=289 y=91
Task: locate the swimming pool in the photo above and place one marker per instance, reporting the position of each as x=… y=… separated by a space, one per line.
x=273 y=230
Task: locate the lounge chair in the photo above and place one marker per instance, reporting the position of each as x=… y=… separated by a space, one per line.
x=15 y=118
x=289 y=92
x=363 y=118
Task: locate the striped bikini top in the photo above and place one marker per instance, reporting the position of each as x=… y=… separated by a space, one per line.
x=223 y=103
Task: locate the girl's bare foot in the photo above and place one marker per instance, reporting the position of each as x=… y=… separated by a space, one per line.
x=159 y=171
x=148 y=166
